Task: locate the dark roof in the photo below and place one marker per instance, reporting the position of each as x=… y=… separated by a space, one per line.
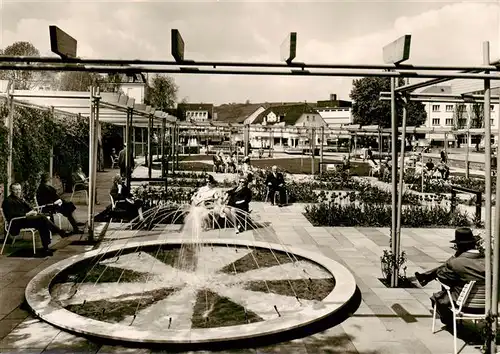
x=437 y=89
x=195 y=106
x=291 y=113
x=235 y=112
x=334 y=104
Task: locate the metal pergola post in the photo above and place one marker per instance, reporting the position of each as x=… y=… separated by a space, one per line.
x=313 y=148
x=321 y=150
x=92 y=162
x=10 y=140
x=150 y=152
x=162 y=139
x=394 y=125
x=487 y=171
x=130 y=147
x=397 y=239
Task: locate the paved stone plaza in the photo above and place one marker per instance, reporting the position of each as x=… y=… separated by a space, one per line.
x=387 y=321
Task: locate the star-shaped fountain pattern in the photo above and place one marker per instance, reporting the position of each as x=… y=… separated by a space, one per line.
x=168 y=297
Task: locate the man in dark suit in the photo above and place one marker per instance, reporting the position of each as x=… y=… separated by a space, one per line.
x=466 y=265
x=239 y=200
x=15 y=207
x=122 y=162
x=276 y=183
x=47 y=196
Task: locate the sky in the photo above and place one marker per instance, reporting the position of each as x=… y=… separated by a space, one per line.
x=332 y=32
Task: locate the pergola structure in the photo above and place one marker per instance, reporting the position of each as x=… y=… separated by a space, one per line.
x=98 y=107
x=394 y=55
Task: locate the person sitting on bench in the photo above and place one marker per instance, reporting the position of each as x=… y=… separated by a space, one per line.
x=275 y=182
x=51 y=203
x=125 y=202
x=238 y=199
x=466 y=265
x=14 y=206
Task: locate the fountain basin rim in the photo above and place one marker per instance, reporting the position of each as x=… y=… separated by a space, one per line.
x=40 y=301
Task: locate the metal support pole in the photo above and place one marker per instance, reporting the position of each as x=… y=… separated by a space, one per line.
x=487 y=218
x=177 y=145
x=162 y=137
x=394 y=125
x=380 y=146
x=313 y=148
x=130 y=148
x=467 y=136
x=10 y=139
x=51 y=158
x=321 y=150
x=246 y=138
x=355 y=142
x=90 y=216
x=397 y=240
x=127 y=141
x=150 y=152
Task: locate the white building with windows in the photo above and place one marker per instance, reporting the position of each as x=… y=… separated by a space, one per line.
x=455 y=115
x=335 y=117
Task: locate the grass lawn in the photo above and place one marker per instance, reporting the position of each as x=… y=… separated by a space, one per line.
x=293 y=166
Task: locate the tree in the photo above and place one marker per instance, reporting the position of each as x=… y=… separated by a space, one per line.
x=368 y=109
x=162 y=93
x=82 y=80
x=25 y=79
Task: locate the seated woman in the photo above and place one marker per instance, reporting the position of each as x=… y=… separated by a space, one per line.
x=206 y=201
x=126 y=205
x=207 y=195
x=238 y=202
x=51 y=203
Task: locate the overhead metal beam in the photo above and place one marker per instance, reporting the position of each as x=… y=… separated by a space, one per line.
x=87 y=61
x=339 y=73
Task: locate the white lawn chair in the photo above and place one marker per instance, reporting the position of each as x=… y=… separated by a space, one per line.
x=7 y=227
x=477 y=300
x=58 y=215
x=85 y=190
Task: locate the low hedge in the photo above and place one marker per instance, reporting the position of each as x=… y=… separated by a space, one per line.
x=378 y=215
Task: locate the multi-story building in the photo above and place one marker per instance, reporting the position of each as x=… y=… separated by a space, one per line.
x=290 y=117
x=456 y=116
x=195 y=112
x=335 y=112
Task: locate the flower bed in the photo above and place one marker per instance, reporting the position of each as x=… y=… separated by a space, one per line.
x=379 y=215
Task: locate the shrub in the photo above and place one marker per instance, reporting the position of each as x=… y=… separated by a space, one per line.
x=377 y=215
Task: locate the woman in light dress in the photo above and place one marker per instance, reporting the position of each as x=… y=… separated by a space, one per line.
x=207 y=200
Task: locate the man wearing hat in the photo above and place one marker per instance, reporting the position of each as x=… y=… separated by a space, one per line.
x=466 y=265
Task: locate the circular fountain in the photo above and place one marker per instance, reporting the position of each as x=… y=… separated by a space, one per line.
x=189 y=290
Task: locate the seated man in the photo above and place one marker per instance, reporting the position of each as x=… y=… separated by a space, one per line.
x=14 y=207
x=275 y=182
x=126 y=206
x=238 y=200
x=51 y=203
x=82 y=181
x=444 y=170
x=125 y=203
x=466 y=265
